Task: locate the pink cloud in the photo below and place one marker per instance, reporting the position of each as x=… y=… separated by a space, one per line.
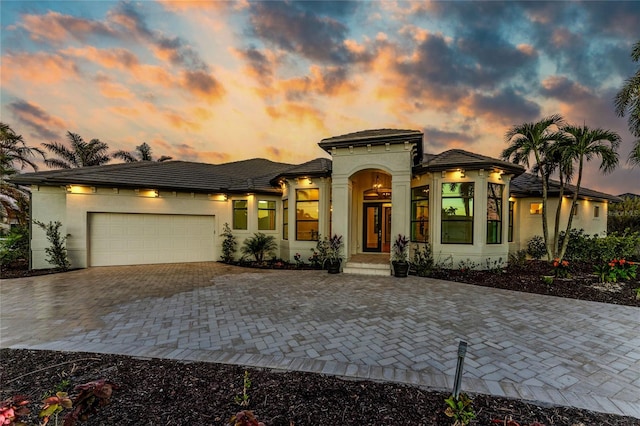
x=40 y=67
x=56 y=27
x=35 y=117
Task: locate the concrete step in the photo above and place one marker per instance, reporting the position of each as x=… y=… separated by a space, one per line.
x=358 y=268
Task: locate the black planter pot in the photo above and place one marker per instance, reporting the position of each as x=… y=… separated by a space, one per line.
x=400 y=269
x=333 y=267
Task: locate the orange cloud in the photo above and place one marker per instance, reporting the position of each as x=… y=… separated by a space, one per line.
x=109 y=58
x=112 y=90
x=56 y=27
x=38 y=67
x=297 y=112
x=179 y=122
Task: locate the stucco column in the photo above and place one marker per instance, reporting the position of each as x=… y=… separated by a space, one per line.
x=400 y=204
x=341 y=202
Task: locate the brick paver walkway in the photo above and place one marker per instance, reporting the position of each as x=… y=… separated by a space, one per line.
x=541 y=348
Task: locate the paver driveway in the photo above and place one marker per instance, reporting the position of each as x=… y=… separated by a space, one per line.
x=543 y=348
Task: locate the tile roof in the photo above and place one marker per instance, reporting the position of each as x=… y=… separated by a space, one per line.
x=374 y=137
x=252 y=175
x=458 y=158
x=530 y=185
x=320 y=167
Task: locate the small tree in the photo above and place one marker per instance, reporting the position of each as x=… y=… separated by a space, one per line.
x=229 y=244
x=259 y=245
x=57 y=253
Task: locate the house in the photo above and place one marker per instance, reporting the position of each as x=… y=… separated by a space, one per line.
x=378 y=184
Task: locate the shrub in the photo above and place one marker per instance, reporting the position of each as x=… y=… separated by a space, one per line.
x=229 y=244
x=57 y=253
x=259 y=245
x=423 y=259
x=536 y=247
x=15 y=246
x=518 y=259
x=585 y=248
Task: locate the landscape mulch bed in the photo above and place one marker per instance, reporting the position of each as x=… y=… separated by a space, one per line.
x=164 y=392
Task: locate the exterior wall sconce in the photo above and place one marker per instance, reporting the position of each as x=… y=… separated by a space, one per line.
x=148 y=193
x=78 y=189
x=462 y=173
x=218 y=197
x=444 y=174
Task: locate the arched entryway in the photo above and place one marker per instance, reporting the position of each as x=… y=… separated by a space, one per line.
x=373 y=209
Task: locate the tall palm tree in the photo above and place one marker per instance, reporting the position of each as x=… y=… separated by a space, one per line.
x=628 y=101
x=533 y=140
x=587 y=145
x=79 y=154
x=15 y=155
x=142 y=153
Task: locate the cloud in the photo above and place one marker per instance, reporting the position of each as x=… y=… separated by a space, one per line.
x=186 y=152
x=259 y=64
x=33 y=116
x=202 y=85
x=56 y=27
x=297 y=28
x=39 y=67
x=504 y=107
x=298 y=113
x=437 y=140
x=173 y=49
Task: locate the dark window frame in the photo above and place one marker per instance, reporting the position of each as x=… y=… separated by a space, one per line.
x=313 y=236
x=422 y=223
x=268 y=209
x=511 y=219
x=285 y=219
x=467 y=219
x=238 y=210
x=491 y=195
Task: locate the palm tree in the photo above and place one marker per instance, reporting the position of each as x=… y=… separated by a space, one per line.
x=628 y=101
x=14 y=155
x=533 y=140
x=79 y=154
x=142 y=153
x=587 y=145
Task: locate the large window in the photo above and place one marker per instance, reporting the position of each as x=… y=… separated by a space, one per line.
x=457 y=213
x=535 y=208
x=240 y=214
x=494 y=213
x=266 y=215
x=511 y=218
x=285 y=219
x=307 y=203
x=420 y=214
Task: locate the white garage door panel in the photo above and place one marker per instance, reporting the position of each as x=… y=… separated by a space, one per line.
x=131 y=239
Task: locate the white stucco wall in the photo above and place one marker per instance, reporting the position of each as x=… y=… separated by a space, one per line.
x=527 y=225
x=72 y=209
x=479 y=252
x=394 y=160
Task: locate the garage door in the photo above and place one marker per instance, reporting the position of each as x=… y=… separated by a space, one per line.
x=133 y=239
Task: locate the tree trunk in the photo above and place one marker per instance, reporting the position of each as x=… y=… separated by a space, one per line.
x=574 y=201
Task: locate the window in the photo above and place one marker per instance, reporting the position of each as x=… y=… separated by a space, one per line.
x=240 y=214
x=285 y=219
x=596 y=211
x=307 y=203
x=420 y=213
x=535 y=208
x=511 y=216
x=494 y=213
x=457 y=213
x=266 y=215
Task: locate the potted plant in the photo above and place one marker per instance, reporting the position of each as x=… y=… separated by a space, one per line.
x=400 y=256
x=333 y=253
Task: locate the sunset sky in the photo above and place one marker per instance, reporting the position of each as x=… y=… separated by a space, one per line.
x=225 y=81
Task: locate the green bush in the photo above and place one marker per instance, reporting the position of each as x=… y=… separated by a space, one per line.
x=57 y=253
x=422 y=259
x=536 y=247
x=229 y=244
x=259 y=245
x=585 y=248
x=15 y=245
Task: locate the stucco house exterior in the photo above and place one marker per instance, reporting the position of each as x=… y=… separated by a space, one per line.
x=377 y=184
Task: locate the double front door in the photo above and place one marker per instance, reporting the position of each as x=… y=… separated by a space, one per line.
x=377 y=227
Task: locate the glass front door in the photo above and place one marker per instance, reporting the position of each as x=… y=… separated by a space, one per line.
x=377 y=227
